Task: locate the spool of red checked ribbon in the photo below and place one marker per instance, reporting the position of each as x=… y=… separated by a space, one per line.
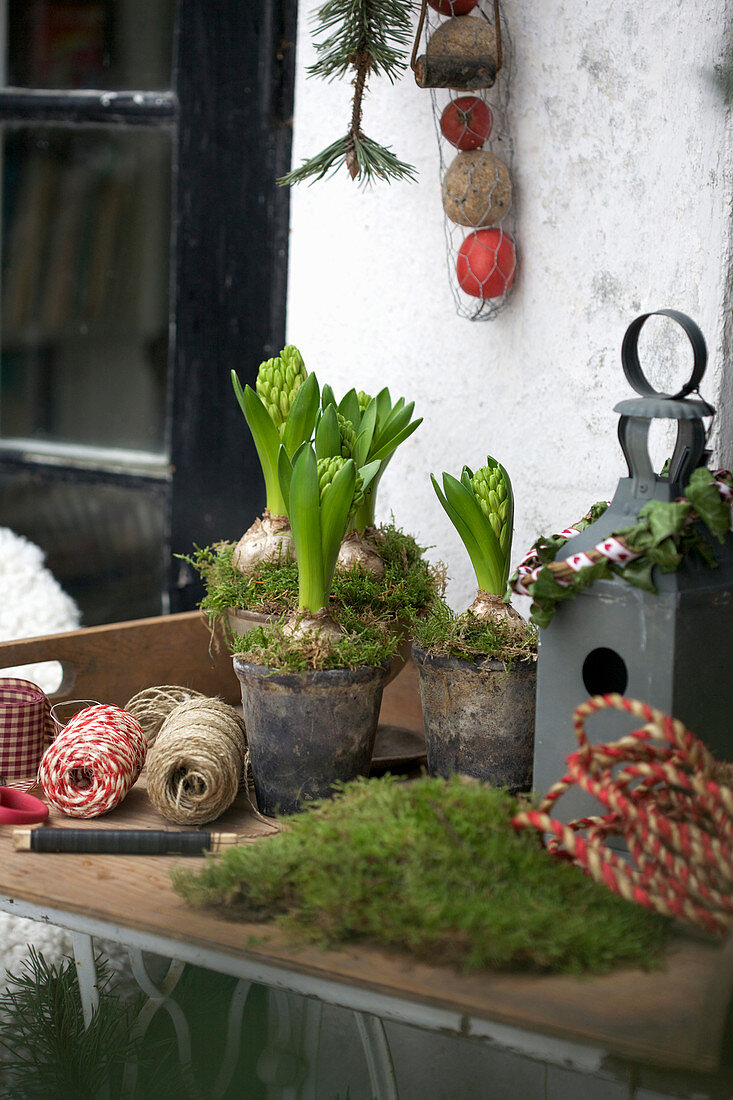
x=25 y=730
x=93 y=762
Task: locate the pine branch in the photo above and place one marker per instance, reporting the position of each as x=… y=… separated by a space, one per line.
x=380 y=28
x=363 y=157
x=47 y=1049
x=369 y=36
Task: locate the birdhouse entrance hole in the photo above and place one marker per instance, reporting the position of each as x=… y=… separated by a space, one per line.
x=604 y=671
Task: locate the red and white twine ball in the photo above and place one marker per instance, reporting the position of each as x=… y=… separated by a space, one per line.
x=93 y=762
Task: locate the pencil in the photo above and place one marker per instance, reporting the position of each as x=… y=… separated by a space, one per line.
x=129 y=842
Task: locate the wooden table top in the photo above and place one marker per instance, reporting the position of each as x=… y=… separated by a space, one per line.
x=672 y=1017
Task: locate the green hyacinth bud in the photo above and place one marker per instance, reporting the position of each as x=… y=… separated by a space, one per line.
x=348 y=435
x=263 y=385
x=327 y=470
x=363 y=399
x=293 y=362
x=492 y=494
x=278 y=381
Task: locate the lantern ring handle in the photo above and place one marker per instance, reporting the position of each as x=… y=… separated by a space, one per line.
x=630 y=354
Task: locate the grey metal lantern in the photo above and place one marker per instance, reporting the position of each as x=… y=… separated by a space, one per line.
x=671 y=650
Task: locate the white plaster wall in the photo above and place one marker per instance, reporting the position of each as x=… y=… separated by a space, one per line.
x=622 y=176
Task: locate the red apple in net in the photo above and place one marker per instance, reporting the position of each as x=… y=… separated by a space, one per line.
x=466 y=122
x=486 y=263
x=453 y=7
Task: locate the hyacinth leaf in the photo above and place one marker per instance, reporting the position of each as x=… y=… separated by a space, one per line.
x=305 y=521
x=365 y=512
x=475 y=532
x=388 y=448
x=349 y=407
x=368 y=473
x=238 y=391
x=508 y=528
x=456 y=517
x=302 y=416
x=365 y=434
x=396 y=408
x=328 y=436
x=327 y=396
x=284 y=475
x=462 y=499
x=267 y=443
x=335 y=509
x=384 y=405
x=397 y=420
x=285 y=471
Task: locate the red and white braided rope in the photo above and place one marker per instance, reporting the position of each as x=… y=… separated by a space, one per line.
x=93 y=762
x=611 y=548
x=664 y=800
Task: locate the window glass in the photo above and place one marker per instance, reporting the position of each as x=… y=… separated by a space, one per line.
x=84 y=294
x=105 y=44
x=104 y=544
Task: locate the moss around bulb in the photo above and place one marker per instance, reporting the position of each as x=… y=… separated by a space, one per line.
x=278 y=381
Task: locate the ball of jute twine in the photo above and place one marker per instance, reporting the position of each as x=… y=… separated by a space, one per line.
x=197 y=762
x=152 y=706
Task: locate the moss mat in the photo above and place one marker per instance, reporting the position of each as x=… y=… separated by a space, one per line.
x=434 y=868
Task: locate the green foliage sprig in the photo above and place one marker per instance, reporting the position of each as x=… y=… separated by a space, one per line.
x=369 y=37
x=481 y=508
x=436 y=869
x=665 y=533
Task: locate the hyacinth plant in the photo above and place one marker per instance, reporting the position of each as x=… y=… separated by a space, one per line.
x=321 y=494
x=280 y=412
x=370 y=429
x=481 y=508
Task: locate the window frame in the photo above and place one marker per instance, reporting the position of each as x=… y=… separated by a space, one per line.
x=229 y=112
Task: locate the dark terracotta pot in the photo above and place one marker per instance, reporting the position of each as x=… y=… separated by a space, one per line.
x=307 y=730
x=479 y=718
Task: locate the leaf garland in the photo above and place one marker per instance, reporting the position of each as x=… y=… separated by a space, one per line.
x=665 y=533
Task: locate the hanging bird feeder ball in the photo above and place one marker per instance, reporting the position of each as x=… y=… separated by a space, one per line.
x=477 y=189
x=467 y=122
x=453 y=7
x=486 y=263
